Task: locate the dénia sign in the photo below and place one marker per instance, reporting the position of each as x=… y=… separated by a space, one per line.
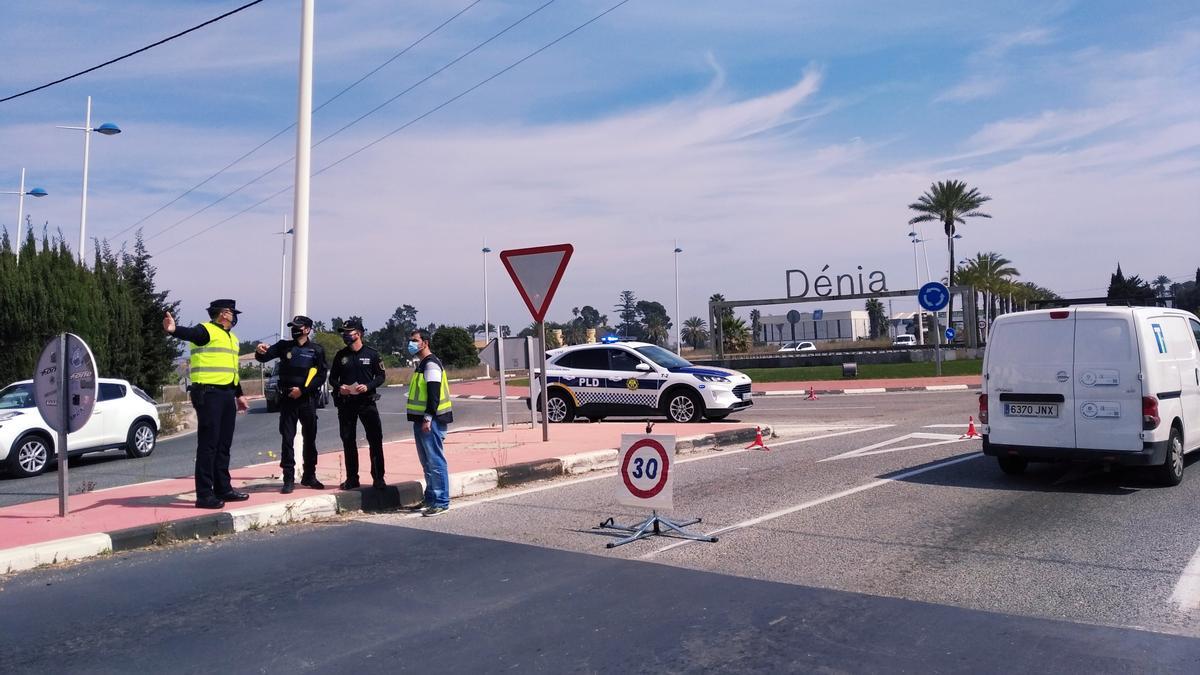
x=824 y=285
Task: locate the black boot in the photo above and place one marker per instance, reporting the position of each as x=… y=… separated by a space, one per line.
x=310 y=481
x=289 y=483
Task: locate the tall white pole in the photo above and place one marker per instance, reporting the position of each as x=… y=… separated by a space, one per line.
x=283 y=281
x=87 y=145
x=20 y=214
x=917 y=277
x=487 y=332
x=678 y=316
x=303 y=164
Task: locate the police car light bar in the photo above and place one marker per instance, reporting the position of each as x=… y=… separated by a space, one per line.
x=609 y=339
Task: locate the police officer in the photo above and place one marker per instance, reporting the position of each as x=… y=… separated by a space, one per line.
x=354 y=376
x=216 y=394
x=300 y=376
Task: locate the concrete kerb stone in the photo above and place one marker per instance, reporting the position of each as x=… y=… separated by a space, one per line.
x=473 y=482
x=51 y=552
x=585 y=462
x=279 y=513
x=524 y=472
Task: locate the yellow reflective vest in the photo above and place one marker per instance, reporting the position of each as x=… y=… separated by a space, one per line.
x=418 y=396
x=217 y=361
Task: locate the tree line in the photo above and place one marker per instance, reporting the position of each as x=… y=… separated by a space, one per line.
x=109 y=305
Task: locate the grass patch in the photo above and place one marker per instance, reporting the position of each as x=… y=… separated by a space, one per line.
x=866 y=371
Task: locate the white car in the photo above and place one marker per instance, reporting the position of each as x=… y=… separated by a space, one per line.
x=904 y=341
x=123 y=417
x=637 y=379
x=797 y=347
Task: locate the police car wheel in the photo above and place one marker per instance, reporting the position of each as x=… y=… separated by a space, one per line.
x=559 y=408
x=683 y=406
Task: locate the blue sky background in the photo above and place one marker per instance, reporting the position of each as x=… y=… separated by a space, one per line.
x=765 y=136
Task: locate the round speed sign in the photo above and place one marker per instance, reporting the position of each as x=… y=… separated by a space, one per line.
x=645 y=468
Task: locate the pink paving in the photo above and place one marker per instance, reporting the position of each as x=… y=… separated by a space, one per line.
x=167 y=500
x=492 y=388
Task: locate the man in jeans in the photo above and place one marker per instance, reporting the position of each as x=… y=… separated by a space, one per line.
x=429 y=409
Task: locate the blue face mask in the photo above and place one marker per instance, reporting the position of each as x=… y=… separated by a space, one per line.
x=413 y=348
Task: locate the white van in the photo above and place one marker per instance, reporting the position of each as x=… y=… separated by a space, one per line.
x=1118 y=385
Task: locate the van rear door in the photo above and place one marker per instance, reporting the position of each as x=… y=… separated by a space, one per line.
x=1108 y=411
x=1030 y=367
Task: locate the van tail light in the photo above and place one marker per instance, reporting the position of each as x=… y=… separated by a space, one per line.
x=983 y=409
x=1150 y=418
x=1059 y=315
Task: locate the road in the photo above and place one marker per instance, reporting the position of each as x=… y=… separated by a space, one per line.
x=256 y=434
x=870 y=538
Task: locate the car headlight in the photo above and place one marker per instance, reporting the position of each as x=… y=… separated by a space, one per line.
x=713 y=378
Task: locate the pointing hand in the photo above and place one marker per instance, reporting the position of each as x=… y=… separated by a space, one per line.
x=169 y=323
x=261 y=348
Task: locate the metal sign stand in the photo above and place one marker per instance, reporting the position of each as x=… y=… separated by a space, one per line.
x=652 y=527
x=542 y=393
x=64 y=423
x=529 y=360
x=503 y=387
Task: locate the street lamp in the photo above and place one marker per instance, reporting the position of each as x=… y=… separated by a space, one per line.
x=915 y=239
x=487 y=330
x=107 y=129
x=35 y=192
x=950 y=278
x=283 y=275
x=678 y=317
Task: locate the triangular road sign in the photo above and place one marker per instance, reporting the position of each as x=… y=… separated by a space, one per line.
x=536 y=272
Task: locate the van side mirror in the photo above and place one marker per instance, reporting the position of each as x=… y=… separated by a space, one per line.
x=642 y=367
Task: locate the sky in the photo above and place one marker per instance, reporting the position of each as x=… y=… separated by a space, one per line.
x=761 y=136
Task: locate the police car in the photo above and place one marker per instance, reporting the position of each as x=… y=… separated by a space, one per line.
x=637 y=379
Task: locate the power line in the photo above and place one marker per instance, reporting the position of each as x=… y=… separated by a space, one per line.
x=410 y=122
x=360 y=118
x=133 y=53
x=291 y=126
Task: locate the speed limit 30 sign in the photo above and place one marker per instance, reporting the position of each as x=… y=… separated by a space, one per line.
x=645 y=471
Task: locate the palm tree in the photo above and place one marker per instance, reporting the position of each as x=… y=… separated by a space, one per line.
x=694 y=331
x=735 y=336
x=990 y=273
x=1160 y=284
x=718 y=297
x=949 y=202
x=755 y=324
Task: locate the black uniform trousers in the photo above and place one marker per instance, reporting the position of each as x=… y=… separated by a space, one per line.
x=216 y=412
x=291 y=410
x=350 y=411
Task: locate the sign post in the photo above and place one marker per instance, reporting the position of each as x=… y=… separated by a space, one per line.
x=536 y=272
x=646 y=470
x=64 y=388
x=933 y=296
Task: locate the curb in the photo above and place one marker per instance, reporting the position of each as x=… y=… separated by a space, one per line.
x=366 y=500
x=872 y=390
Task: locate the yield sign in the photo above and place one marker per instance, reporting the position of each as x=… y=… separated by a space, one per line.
x=536 y=272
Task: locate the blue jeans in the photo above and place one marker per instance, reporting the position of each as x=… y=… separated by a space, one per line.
x=433 y=463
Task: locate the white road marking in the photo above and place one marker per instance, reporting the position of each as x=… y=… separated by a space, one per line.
x=760 y=408
x=947 y=387
x=945 y=426
x=1187 y=590
x=817 y=502
x=773 y=445
x=938 y=439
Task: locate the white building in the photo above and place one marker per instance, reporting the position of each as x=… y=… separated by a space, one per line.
x=841 y=326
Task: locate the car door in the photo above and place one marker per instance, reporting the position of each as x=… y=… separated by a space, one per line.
x=1190 y=387
x=635 y=389
x=112 y=401
x=93 y=433
x=1108 y=396
x=1029 y=368
x=584 y=373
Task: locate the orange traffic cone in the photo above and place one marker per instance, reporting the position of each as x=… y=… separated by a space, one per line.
x=812 y=394
x=758 y=440
x=971 y=433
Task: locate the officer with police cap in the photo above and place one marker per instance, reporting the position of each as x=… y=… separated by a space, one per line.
x=216 y=393
x=356 y=373
x=300 y=376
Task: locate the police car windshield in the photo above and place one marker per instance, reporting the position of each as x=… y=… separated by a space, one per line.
x=16 y=396
x=662 y=357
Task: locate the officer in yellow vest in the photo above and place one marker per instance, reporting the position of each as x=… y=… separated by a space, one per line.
x=216 y=394
x=429 y=409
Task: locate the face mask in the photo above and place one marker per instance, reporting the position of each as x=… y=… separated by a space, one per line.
x=297 y=331
x=348 y=338
x=413 y=348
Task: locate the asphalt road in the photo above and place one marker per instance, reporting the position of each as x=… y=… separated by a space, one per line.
x=257 y=432
x=869 y=539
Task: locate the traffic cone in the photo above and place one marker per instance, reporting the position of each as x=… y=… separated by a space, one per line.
x=758 y=440
x=971 y=433
x=812 y=394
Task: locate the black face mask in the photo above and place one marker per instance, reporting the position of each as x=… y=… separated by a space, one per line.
x=297 y=331
x=348 y=338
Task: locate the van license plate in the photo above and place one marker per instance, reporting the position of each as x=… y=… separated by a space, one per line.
x=1031 y=409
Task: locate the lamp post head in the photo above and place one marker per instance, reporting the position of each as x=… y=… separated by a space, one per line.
x=108 y=129
x=957 y=236
x=486 y=250
x=678 y=250
x=913 y=233
x=37 y=192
